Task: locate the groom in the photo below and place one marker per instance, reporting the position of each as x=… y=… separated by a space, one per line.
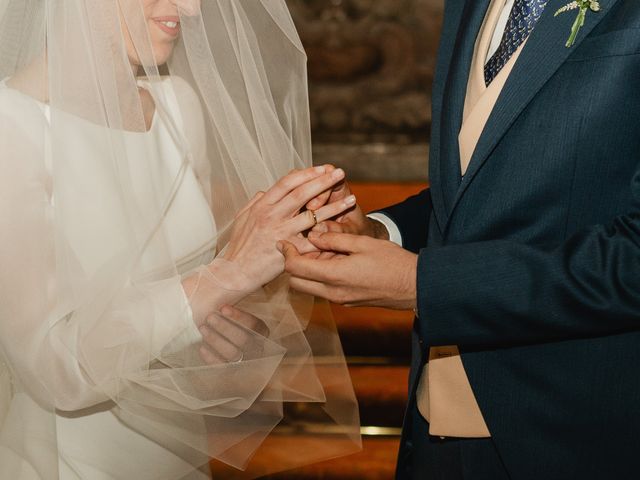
x=523 y=258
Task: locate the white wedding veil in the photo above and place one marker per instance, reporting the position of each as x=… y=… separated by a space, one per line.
x=106 y=208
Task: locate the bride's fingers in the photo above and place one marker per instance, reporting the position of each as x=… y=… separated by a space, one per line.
x=318 y=201
x=290 y=182
x=242 y=321
x=297 y=199
x=226 y=329
x=309 y=218
x=324 y=197
x=228 y=333
x=334 y=209
x=339 y=191
x=219 y=345
x=209 y=357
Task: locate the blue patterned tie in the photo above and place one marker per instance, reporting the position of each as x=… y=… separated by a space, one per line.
x=522 y=19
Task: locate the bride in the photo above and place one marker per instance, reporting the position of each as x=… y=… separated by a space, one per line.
x=145 y=326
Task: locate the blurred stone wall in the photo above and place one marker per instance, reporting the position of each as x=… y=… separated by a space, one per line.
x=370 y=67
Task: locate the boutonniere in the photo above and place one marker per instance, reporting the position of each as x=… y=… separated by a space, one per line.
x=584 y=6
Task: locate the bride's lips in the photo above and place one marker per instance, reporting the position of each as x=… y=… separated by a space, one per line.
x=169 y=25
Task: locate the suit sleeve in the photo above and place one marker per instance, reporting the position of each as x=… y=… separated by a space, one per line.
x=502 y=293
x=412 y=218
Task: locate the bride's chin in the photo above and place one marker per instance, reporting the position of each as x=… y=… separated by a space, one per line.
x=162 y=55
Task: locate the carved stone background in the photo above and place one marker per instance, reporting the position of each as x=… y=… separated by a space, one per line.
x=370 y=67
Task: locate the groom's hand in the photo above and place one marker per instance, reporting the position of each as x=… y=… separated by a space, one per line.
x=363 y=271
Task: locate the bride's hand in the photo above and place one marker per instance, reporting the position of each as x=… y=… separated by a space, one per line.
x=227 y=335
x=279 y=214
x=353 y=221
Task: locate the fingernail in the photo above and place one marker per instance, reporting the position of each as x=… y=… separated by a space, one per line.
x=226 y=311
x=319 y=169
x=337 y=174
x=204 y=331
x=313 y=234
x=350 y=200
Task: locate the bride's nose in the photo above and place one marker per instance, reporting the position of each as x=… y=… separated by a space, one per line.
x=187 y=7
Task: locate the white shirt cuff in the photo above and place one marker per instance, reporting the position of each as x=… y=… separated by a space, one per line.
x=394 y=233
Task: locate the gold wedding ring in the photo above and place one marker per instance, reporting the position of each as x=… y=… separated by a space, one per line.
x=238 y=360
x=315 y=219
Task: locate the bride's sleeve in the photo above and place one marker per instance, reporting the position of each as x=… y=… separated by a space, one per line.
x=111 y=336
x=73 y=340
x=95 y=351
x=51 y=352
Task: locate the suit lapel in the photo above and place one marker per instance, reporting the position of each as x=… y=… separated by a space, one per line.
x=449 y=94
x=543 y=54
x=453 y=26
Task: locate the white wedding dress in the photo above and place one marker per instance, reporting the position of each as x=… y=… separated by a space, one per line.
x=104 y=373
x=93 y=442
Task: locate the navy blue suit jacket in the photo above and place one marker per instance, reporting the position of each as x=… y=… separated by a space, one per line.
x=531 y=263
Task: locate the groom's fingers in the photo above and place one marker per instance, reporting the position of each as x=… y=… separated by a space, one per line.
x=328 y=255
x=335 y=227
x=303 y=245
x=336 y=242
x=288 y=250
x=310 y=287
x=301 y=266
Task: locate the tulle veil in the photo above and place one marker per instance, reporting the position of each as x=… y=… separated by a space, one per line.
x=93 y=321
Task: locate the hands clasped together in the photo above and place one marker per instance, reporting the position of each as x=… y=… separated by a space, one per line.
x=251 y=260
x=310 y=225
x=353 y=262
